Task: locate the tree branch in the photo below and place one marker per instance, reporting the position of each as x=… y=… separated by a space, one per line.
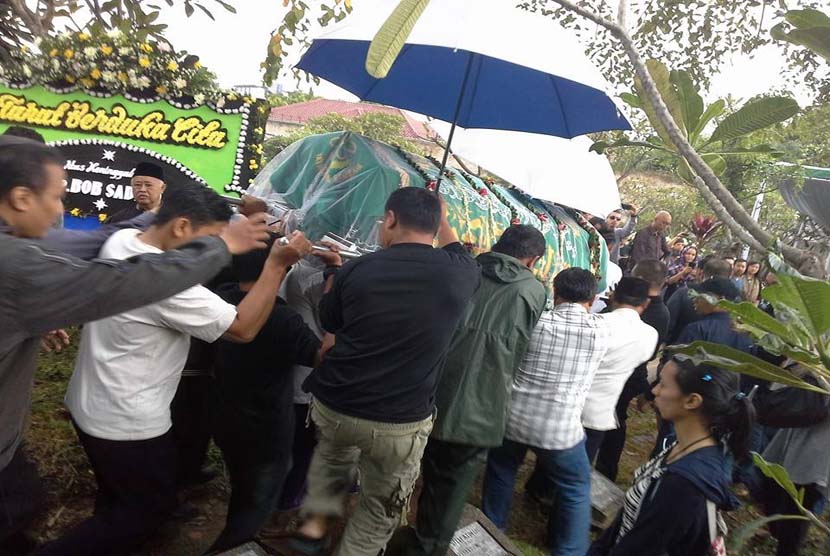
x=30 y=20
x=713 y=191
x=622 y=14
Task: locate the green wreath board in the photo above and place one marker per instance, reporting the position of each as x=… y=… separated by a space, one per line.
x=109 y=104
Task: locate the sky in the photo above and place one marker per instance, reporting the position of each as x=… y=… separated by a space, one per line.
x=234 y=45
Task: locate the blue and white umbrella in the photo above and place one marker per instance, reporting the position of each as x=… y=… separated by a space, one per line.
x=474 y=63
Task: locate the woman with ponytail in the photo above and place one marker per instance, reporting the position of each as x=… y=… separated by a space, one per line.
x=665 y=510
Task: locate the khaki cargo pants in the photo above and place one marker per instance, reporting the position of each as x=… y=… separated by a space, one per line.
x=388 y=456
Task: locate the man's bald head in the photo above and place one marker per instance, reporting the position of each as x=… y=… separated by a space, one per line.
x=662 y=221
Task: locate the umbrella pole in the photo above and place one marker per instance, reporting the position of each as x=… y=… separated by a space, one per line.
x=454 y=120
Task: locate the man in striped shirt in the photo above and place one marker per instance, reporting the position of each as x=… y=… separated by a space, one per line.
x=549 y=393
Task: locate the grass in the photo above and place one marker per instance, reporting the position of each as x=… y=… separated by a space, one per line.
x=70 y=484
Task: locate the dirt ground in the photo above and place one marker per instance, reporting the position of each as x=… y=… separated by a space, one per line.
x=71 y=486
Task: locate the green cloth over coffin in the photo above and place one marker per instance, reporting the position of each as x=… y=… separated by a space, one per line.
x=339 y=182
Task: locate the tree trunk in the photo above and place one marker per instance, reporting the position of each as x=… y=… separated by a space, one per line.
x=722 y=202
x=31 y=20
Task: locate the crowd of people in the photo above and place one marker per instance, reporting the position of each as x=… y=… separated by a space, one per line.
x=319 y=379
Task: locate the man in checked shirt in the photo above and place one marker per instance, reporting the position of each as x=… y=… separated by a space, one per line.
x=549 y=392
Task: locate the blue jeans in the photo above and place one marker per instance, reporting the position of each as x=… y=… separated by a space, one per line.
x=569 y=470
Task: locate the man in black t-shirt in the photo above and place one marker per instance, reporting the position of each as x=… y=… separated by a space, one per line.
x=394 y=313
x=253 y=409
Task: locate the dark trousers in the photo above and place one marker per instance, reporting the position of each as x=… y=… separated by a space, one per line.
x=190 y=411
x=136 y=493
x=593 y=441
x=613 y=443
x=21 y=498
x=305 y=439
x=790 y=533
x=255 y=490
x=448 y=471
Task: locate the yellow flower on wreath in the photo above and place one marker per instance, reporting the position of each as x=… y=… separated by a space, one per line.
x=198 y=65
x=53 y=52
x=102 y=217
x=95 y=74
x=145 y=47
x=122 y=76
x=87 y=82
x=106 y=49
x=69 y=78
x=75 y=211
x=68 y=53
x=161 y=89
x=172 y=65
x=144 y=62
x=84 y=37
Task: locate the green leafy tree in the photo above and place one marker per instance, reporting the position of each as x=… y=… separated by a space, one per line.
x=294 y=32
x=293 y=97
x=693 y=118
x=21 y=22
x=387 y=128
x=806 y=138
x=808 y=28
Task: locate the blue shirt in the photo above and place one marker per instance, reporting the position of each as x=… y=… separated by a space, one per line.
x=716 y=328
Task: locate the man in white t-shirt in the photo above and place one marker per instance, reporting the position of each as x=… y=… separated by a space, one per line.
x=129 y=366
x=631 y=343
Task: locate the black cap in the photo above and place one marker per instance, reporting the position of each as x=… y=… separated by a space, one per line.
x=723 y=288
x=150 y=170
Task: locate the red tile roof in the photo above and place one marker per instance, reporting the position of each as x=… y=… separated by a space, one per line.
x=301 y=112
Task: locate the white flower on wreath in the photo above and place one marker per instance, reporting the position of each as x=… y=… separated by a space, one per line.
x=38 y=41
x=108 y=76
x=90 y=52
x=143 y=81
x=134 y=82
x=199 y=98
x=163 y=47
x=26 y=70
x=114 y=33
x=180 y=83
x=125 y=50
x=220 y=103
x=66 y=35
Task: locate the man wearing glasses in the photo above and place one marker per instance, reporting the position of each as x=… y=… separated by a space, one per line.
x=614 y=232
x=148 y=186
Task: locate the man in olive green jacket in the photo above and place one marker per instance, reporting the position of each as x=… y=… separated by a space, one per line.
x=474 y=389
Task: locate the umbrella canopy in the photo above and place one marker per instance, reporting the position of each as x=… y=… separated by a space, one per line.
x=553 y=169
x=812 y=197
x=479 y=63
